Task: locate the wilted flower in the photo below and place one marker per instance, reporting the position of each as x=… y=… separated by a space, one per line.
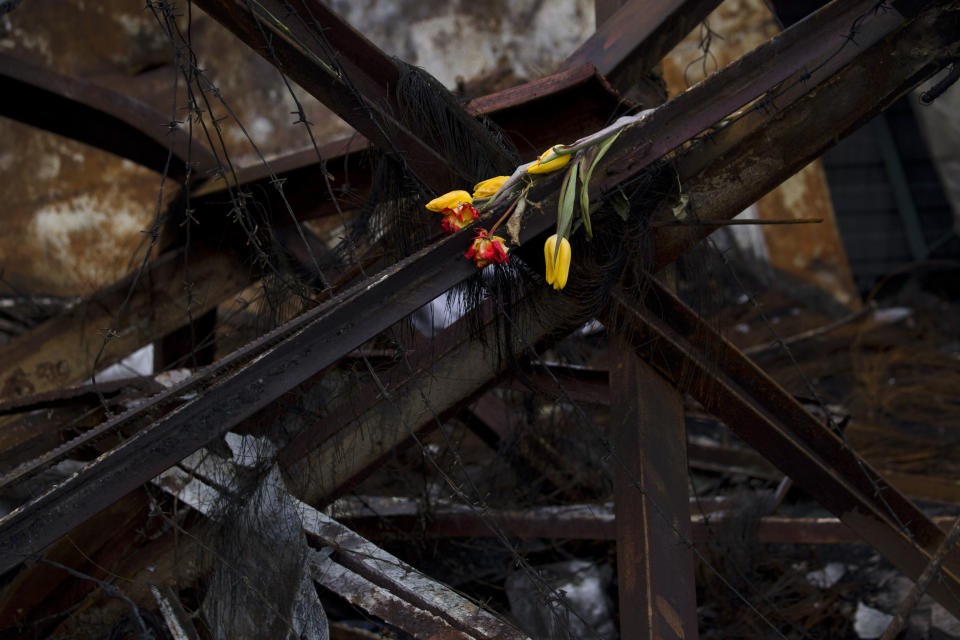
x=558 y=262
x=449 y=201
x=458 y=217
x=489 y=187
x=486 y=249
x=546 y=167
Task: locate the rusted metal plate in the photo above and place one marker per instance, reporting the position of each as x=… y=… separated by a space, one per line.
x=812 y=252
x=99 y=117
x=654 y=563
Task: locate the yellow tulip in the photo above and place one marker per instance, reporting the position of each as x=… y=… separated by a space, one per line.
x=449 y=201
x=546 y=167
x=489 y=187
x=557 y=269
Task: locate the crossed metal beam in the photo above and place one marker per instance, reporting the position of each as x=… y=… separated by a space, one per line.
x=906 y=535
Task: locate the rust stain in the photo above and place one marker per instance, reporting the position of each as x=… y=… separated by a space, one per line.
x=670 y=616
x=17 y=384
x=739 y=25
x=813 y=252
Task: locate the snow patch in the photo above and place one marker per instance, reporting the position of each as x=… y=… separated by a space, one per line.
x=870 y=623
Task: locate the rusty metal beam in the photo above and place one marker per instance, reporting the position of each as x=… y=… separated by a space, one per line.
x=675 y=341
x=807 y=53
x=560 y=107
x=61 y=351
x=233 y=389
x=319 y=337
x=82 y=394
x=338 y=66
x=654 y=564
x=569 y=522
x=580 y=383
x=790 y=138
x=721 y=179
x=915 y=62
x=322 y=461
x=628 y=44
x=99 y=117
x=490 y=419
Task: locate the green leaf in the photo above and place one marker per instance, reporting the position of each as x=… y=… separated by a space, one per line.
x=604 y=147
x=591 y=160
x=566 y=204
x=621 y=205
x=585 y=208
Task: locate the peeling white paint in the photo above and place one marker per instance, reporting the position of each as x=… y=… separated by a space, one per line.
x=82 y=232
x=38 y=43
x=795 y=191
x=534 y=36
x=132 y=24
x=49 y=166
x=83 y=213
x=260 y=128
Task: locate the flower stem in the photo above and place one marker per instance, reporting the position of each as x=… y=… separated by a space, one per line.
x=506 y=214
